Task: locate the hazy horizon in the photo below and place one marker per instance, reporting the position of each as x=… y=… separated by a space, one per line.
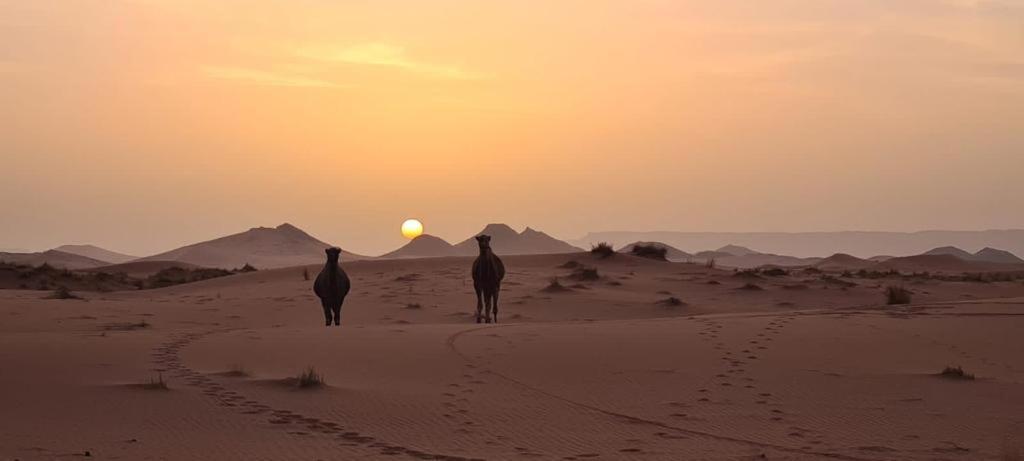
x=144 y=125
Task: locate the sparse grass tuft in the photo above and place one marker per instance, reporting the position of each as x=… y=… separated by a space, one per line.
x=570 y=265
x=897 y=295
x=672 y=301
x=554 y=286
x=310 y=379
x=247 y=268
x=585 y=274
x=237 y=371
x=127 y=326
x=62 y=292
x=157 y=384
x=413 y=306
x=603 y=249
x=651 y=251
x=956 y=373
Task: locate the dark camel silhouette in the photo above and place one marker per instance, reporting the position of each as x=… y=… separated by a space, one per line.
x=332 y=285
x=488 y=271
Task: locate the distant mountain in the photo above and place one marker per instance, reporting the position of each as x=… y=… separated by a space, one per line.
x=764 y=259
x=844 y=262
x=987 y=254
x=54 y=258
x=506 y=241
x=804 y=244
x=673 y=253
x=95 y=252
x=938 y=263
x=737 y=250
x=424 y=246
x=994 y=255
x=262 y=247
x=950 y=250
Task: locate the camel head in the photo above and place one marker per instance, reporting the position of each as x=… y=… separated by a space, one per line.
x=484 y=241
x=333 y=253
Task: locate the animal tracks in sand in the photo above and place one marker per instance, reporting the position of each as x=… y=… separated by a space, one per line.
x=166 y=357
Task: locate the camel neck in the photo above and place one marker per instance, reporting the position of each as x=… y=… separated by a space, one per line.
x=485 y=251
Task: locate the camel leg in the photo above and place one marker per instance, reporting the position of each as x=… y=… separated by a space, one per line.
x=488 y=301
x=337 y=314
x=494 y=306
x=479 y=305
x=327 y=313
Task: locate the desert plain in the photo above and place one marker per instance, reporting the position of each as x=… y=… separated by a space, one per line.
x=644 y=359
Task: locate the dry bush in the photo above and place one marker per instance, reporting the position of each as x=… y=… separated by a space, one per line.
x=585 y=274
x=554 y=286
x=956 y=373
x=897 y=295
x=62 y=292
x=310 y=379
x=157 y=384
x=651 y=251
x=603 y=249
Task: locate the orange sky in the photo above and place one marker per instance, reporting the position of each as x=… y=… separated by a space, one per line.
x=140 y=125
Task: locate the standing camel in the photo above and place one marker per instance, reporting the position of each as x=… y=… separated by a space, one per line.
x=331 y=286
x=488 y=271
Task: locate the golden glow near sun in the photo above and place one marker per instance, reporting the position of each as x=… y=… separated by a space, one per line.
x=412 y=228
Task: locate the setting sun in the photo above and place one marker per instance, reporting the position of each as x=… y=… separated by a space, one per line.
x=412 y=228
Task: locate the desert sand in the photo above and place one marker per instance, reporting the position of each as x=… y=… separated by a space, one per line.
x=734 y=367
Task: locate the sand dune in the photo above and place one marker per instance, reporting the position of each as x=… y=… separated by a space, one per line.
x=262 y=247
x=804 y=367
x=53 y=258
x=97 y=253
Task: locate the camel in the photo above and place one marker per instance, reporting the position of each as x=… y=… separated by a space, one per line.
x=488 y=271
x=331 y=286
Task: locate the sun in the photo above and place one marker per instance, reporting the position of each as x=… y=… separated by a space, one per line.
x=412 y=228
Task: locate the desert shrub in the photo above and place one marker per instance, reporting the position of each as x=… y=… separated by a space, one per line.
x=413 y=306
x=310 y=378
x=157 y=384
x=751 y=287
x=246 y=268
x=178 y=275
x=746 y=273
x=897 y=295
x=775 y=272
x=554 y=286
x=408 y=277
x=127 y=326
x=603 y=249
x=62 y=292
x=570 y=265
x=585 y=274
x=956 y=373
x=714 y=282
x=237 y=371
x=672 y=301
x=651 y=251
x=812 y=270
